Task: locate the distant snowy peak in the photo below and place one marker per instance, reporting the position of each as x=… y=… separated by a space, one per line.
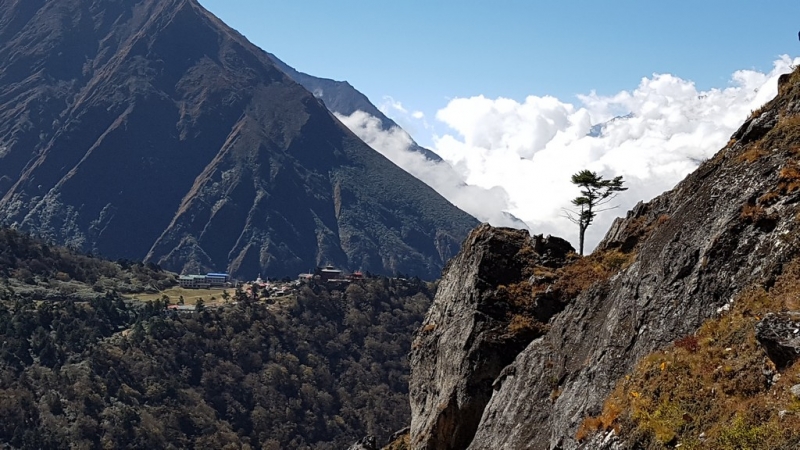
x=598 y=130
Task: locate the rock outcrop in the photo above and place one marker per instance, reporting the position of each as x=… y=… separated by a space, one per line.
x=779 y=335
x=731 y=224
x=465 y=341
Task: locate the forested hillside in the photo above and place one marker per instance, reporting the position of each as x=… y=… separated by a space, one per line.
x=33 y=268
x=317 y=371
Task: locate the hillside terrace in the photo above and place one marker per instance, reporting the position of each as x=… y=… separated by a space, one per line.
x=212 y=289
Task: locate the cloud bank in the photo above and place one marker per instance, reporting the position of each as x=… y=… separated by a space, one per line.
x=517 y=157
x=486 y=204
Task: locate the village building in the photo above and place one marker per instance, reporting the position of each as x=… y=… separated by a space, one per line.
x=206 y=281
x=356 y=276
x=328 y=273
x=182 y=308
x=218 y=279
x=305 y=277
x=194 y=281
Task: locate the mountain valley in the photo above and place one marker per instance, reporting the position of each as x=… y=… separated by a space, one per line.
x=143 y=139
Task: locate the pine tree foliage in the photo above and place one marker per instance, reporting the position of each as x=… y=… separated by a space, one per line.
x=596 y=192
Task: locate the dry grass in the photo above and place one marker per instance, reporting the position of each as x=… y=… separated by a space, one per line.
x=572 y=279
x=401 y=443
x=751 y=154
x=785 y=135
x=562 y=285
x=520 y=324
x=716 y=383
x=583 y=273
x=757 y=112
x=605 y=421
x=789 y=178
x=518 y=295
x=190 y=296
x=688 y=343
x=788 y=183
x=753 y=213
x=768 y=199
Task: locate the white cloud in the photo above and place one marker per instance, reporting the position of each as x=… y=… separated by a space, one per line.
x=531 y=149
x=391 y=105
x=517 y=157
x=485 y=203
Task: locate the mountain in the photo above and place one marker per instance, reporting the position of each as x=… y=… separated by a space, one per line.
x=149 y=130
x=599 y=129
x=680 y=330
x=342 y=98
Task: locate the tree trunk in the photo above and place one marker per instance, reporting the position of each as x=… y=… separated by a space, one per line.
x=582 y=232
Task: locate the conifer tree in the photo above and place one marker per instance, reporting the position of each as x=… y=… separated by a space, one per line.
x=595 y=193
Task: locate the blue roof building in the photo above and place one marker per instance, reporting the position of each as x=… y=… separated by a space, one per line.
x=217 y=279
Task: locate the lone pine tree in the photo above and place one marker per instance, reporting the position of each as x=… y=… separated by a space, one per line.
x=595 y=192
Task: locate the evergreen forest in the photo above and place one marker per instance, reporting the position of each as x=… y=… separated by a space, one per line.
x=90 y=368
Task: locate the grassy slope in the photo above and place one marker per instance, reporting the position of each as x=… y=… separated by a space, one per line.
x=717 y=389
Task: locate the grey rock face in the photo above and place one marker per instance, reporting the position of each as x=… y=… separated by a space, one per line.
x=779 y=335
x=699 y=254
x=464 y=342
x=602 y=441
x=552 y=250
x=755 y=128
x=367 y=443
x=696 y=248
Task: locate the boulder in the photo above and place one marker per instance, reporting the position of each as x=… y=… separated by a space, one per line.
x=755 y=128
x=779 y=335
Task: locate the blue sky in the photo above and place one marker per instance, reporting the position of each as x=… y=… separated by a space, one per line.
x=506 y=91
x=422 y=53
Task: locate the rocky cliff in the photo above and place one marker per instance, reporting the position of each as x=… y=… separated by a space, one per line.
x=473 y=330
x=678 y=262
x=151 y=130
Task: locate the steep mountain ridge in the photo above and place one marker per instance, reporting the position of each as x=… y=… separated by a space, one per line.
x=154 y=121
x=342 y=98
x=690 y=252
